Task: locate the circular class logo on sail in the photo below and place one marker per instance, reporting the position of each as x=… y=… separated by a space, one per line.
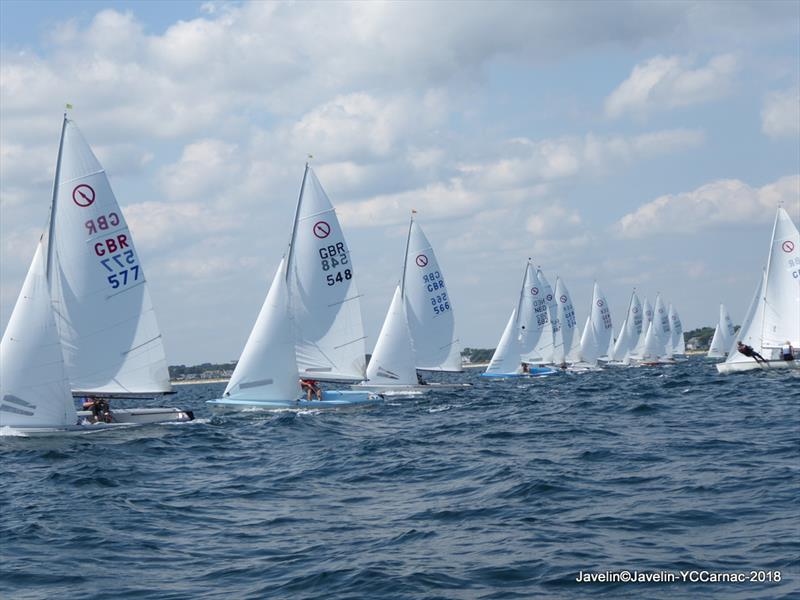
x=535 y=291
x=549 y=297
x=422 y=260
x=635 y=310
x=788 y=246
x=600 y=302
x=563 y=298
x=321 y=229
x=83 y=195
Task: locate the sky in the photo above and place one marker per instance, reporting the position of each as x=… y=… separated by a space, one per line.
x=640 y=144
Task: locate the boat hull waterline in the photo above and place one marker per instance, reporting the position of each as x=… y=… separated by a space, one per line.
x=330 y=399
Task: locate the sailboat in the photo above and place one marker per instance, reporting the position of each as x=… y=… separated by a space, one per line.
x=597 y=332
x=84 y=322
x=544 y=309
x=724 y=334
x=657 y=348
x=521 y=334
x=423 y=296
x=647 y=317
x=429 y=306
x=629 y=333
x=310 y=323
x=773 y=319
x=676 y=342
x=564 y=348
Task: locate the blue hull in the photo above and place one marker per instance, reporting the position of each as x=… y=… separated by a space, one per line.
x=539 y=372
x=330 y=399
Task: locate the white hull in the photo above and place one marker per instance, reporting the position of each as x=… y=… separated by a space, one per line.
x=772 y=365
x=145 y=416
x=123 y=419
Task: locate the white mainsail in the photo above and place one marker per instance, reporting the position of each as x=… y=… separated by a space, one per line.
x=782 y=288
x=726 y=325
x=34 y=388
x=602 y=327
x=323 y=299
x=661 y=330
x=545 y=311
x=267 y=369
x=105 y=318
x=676 y=343
x=429 y=306
x=647 y=318
x=631 y=329
x=564 y=326
x=392 y=360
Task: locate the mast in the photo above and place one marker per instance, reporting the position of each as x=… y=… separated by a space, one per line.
x=405 y=259
x=522 y=289
x=294 y=225
x=766 y=273
x=52 y=224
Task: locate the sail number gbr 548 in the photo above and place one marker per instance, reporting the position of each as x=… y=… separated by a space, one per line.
x=334 y=262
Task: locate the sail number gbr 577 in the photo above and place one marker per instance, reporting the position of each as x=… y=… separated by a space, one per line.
x=114 y=251
x=334 y=262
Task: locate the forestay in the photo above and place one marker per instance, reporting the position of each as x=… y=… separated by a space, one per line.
x=323 y=298
x=429 y=307
x=267 y=369
x=34 y=388
x=103 y=312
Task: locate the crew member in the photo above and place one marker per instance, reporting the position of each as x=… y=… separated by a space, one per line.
x=749 y=351
x=309 y=386
x=787 y=352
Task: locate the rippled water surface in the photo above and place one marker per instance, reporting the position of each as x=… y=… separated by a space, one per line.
x=505 y=490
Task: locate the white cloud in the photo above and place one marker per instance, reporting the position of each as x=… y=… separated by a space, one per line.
x=723 y=202
x=665 y=82
x=780 y=116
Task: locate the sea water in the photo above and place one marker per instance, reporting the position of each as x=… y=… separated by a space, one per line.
x=508 y=489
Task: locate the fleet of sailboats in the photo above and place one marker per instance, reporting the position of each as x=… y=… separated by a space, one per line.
x=84 y=324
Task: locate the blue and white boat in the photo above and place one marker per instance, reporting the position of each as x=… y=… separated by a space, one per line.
x=310 y=324
x=521 y=335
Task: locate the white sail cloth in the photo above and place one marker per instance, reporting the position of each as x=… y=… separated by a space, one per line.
x=267 y=369
x=429 y=307
x=631 y=330
x=392 y=360
x=34 y=388
x=323 y=298
x=103 y=312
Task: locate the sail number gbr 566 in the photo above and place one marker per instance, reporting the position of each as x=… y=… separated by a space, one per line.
x=434 y=283
x=334 y=262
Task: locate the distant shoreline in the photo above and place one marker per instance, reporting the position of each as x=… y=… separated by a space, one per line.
x=195 y=381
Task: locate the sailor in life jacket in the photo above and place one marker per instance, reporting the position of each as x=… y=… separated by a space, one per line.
x=787 y=352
